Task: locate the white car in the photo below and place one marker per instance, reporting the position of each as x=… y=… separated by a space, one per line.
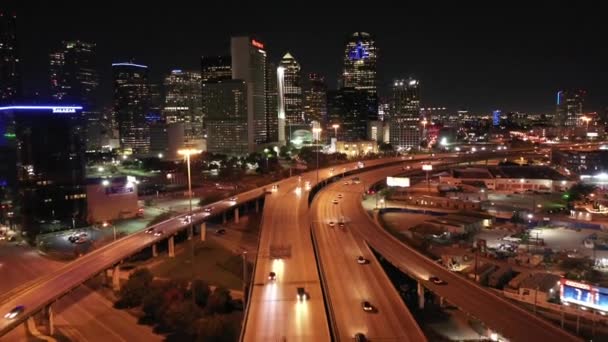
x=361 y=260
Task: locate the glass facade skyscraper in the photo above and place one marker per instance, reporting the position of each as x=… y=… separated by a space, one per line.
x=132 y=106
x=350 y=108
x=183 y=103
x=249 y=64
x=227 y=116
x=569 y=110
x=360 y=56
x=73 y=74
x=292 y=90
x=405 y=131
x=10 y=81
x=315 y=99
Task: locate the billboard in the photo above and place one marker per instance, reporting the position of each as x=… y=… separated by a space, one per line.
x=584 y=294
x=427 y=167
x=403 y=182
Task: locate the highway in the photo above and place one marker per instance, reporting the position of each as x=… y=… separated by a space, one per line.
x=507 y=319
x=350 y=283
x=45 y=290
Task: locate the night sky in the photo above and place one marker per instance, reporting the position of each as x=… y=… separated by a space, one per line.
x=480 y=59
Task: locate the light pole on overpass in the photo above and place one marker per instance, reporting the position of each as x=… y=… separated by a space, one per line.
x=187 y=152
x=317 y=133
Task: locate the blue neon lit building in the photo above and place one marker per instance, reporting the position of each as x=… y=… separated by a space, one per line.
x=360 y=54
x=496 y=117
x=42 y=152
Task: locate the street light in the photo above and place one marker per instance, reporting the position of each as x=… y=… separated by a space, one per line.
x=586 y=119
x=187 y=152
x=335 y=127
x=317 y=132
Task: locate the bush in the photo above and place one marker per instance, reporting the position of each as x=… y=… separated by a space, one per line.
x=133 y=292
x=219 y=301
x=160 y=218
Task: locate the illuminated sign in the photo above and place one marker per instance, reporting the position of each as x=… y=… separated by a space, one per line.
x=403 y=182
x=427 y=167
x=592 y=134
x=584 y=294
x=358 y=52
x=64 y=110
x=257 y=44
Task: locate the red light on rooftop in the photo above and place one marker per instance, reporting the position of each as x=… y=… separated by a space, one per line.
x=257 y=44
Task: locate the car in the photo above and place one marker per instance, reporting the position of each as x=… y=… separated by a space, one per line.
x=220 y=231
x=360 y=337
x=407 y=167
x=331 y=223
x=437 y=281
x=209 y=209
x=72 y=238
x=302 y=295
x=339 y=195
x=149 y=230
x=233 y=199
x=272 y=276
x=275 y=188
x=158 y=232
x=334 y=201
x=341 y=224
x=367 y=306
x=186 y=219
x=346 y=183
x=16 y=311
x=361 y=260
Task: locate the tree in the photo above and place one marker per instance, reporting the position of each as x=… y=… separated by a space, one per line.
x=133 y=292
x=217 y=328
x=153 y=302
x=201 y=292
x=180 y=316
x=578 y=191
x=219 y=301
x=516 y=219
x=385 y=148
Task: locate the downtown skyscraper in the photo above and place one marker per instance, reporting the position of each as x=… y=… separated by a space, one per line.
x=292 y=90
x=404 y=120
x=360 y=57
x=569 y=107
x=315 y=99
x=73 y=74
x=249 y=65
x=183 y=103
x=132 y=105
x=10 y=81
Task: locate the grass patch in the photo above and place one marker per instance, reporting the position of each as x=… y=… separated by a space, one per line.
x=213 y=263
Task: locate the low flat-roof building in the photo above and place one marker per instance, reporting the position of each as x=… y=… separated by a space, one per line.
x=111 y=199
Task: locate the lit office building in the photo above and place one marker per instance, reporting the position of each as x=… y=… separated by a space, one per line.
x=405 y=131
x=10 y=81
x=360 y=56
x=292 y=90
x=183 y=103
x=73 y=74
x=315 y=99
x=272 y=104
x=249 y=65
x=166 y=139
x=132 y=106
x=227 y=117
x=216 y=68
x=46 y=147
x=350 y=109
x=569 y=110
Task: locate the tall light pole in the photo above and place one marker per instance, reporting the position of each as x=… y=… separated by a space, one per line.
x=317 y=133
x=187 y=152
x=427 y=168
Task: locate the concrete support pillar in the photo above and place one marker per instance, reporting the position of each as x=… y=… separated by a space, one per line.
x=116 y=278
x=190 y=231
x=154 y=251
x=236 y=215
x=420 y=296
x=441 y=302
x=224 y=217
x=257 y=206
x=203 y=231
x=50 y=319
x=171 y=242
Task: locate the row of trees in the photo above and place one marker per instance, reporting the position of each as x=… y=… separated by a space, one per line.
x=186 y=312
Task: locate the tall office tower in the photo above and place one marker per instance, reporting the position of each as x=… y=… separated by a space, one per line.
x=405 y=132
x=360 y=55
x=315 y=99
x=249 y=65
x=183 y=103
x=213 y=69
x=272 y=103
x=292 y=90
x=350 y=108
x=46 y=145
x=74 y=75
x=570 y=107
x=216 y=68
x=132 y=105
x=227 y=117
x=10 y=81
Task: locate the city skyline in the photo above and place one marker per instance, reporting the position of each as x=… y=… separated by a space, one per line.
x=462 y=65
